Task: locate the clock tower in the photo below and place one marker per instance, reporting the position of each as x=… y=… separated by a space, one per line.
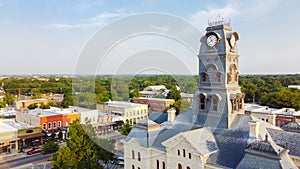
x=219 y=98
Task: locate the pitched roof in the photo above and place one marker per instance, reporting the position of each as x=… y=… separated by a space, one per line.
x=158 y=117
x=231 y=144
x=251 y=161
x=200 y=139
x=286 y=139
x=264 y=155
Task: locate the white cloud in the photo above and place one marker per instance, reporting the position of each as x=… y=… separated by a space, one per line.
x=200 y=19
x=95 y=21
x=109 y=15
x=237 y=9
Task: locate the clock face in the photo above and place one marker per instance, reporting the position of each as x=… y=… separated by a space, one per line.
x=232 y=41
x=211 y=40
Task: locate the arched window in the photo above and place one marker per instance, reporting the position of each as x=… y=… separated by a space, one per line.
x=157 y=164
x=132 y=153
x=183 y=152
x=241 y=103
x=139 y=156
x=190 y=156
x=164 y=165
x=202 y=103
x=235 y=104
x=218 y=77
x=179 y=166
x=204 y=77
x=211 y=71
x=178 y=152
x=49 y=125
x=132 y=166
x=188 y=167
x=215 y=103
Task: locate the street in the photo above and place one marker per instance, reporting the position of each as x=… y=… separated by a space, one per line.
x=10 y=163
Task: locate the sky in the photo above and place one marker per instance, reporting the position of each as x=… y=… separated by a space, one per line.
x=50 y=36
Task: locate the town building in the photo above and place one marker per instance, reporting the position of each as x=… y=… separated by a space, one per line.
x=155 y=104
x=7 y=112
x=8 y=138
x=216 y=132
x=187 y=96
x=131 y=112
x=16 y=136
x=277 y=117
x=294 y=87
x=23 y=104
x=54 y=122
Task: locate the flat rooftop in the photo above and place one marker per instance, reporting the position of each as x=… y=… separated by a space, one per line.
x=121 y=104
x=155 y=99
x=11 y=125
x=53 y=111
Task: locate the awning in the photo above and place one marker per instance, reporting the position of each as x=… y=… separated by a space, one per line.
x=32 y=136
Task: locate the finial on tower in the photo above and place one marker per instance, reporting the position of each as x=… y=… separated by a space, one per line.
x=219 y=21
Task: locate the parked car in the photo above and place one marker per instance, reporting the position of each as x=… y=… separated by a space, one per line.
x=120 y=160
x=34 y=150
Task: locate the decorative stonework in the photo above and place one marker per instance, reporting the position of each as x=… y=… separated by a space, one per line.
x=232 y=75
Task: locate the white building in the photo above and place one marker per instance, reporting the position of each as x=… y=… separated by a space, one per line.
x=294 y=87
x=90 y=115
x=267 y=114
x=132 y=112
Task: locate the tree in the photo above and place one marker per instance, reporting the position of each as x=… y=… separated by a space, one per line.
x=44 y=106
x=32 y=106
x=174 y=94
x=2 y=104
x=64 y=158
x=282 y=98
x=135 y=93
x=68 y=99
x=125 y=129
x=50 y=147
x=9 y=99
x=185 y=105
x=101 y=98
x=82 y=150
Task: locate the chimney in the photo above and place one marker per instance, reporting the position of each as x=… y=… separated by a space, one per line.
x=254 y=129
x=171 y=114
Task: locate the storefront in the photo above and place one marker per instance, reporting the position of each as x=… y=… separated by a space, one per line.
x=30 y=137
x=8 y=138
x=55 y=135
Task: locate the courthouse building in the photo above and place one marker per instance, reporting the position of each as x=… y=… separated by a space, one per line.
x=216 y=132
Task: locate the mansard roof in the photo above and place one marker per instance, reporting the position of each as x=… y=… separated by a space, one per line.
x=230 y=146
x=264 y=154
x=200 y=139
x=287 y=139
x=158 y=117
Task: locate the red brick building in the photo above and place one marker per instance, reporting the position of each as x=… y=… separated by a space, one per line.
x=282 y=119
x=155 y=104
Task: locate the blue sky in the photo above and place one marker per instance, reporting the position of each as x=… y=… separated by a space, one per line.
x=47 y=36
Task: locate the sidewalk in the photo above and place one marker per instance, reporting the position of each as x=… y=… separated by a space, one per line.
x=12 y=155
x=16 y=154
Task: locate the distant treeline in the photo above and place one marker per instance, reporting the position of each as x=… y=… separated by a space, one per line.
x=270 y=90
